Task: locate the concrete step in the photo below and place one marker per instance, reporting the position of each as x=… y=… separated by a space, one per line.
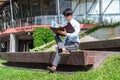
x=77 y=58
x=104 y=45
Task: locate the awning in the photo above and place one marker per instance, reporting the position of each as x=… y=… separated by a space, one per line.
x=2 y=2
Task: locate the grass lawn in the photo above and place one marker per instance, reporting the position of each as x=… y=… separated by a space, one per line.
x=110 y=70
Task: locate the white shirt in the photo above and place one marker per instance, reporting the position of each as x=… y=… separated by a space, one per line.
x=73 y=37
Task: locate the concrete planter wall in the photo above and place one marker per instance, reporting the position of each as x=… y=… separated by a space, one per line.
x=106 y=33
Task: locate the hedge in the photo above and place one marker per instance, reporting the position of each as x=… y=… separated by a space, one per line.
x=42 y=36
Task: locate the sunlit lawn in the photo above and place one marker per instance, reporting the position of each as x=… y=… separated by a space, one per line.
x=110 y=70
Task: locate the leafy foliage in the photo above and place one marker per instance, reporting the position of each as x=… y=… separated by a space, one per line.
x=89 y=21
x=43 y=47
x=42 y=36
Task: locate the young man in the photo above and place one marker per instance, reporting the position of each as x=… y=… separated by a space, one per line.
x=71 y=40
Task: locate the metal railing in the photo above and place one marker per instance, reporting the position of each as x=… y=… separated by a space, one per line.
x=44 y=20
x=38 y=20
x=95 y=18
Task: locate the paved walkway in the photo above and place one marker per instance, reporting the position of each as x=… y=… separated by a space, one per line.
x=1 y=64
x=52 y=48
x=88 y=39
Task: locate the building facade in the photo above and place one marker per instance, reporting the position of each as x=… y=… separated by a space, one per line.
x=26 y=13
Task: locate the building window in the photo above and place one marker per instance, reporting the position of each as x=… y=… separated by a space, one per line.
x=65 y=4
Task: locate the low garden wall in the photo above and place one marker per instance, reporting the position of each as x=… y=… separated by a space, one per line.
x=106 y=33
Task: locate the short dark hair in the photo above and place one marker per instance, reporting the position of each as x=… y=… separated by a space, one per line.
x=67 y=12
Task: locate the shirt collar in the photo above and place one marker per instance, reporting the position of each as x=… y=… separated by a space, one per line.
x=71 y=20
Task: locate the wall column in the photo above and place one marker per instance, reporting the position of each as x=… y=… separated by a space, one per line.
x=100 y=11
x=58 y=10
x=12 y=43
x=11 y=11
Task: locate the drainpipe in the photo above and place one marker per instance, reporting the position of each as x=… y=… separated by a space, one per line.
x=100 y=12
x=11 y=11
x=58 y=10
x=86 y=14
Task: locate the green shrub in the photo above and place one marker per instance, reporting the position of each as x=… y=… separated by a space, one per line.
x=89 y=21
x=42 y=36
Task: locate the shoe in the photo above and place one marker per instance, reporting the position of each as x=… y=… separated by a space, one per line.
x=51 y=70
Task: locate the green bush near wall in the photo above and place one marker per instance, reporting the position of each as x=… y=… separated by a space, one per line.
x=42 y=36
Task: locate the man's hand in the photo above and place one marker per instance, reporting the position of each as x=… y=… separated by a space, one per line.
x=64 y=33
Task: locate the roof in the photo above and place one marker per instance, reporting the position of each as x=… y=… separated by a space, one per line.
x=3 y=3
x=87 y=26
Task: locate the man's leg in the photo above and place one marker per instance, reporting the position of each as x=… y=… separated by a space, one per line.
x=72 y=46
x=60 y=45
x=55 y=61
x=57 y=58
x=59 y=42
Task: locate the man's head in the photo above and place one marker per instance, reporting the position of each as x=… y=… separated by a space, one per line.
x=68 y=14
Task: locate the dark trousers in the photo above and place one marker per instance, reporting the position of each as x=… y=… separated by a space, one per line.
x=60 y=44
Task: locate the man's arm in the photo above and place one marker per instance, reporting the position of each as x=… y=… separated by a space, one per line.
x=64 y=33
x=76 y=32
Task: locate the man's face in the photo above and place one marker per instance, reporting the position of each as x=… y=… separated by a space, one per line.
x=68 y=18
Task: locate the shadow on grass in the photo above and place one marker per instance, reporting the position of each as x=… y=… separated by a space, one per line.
x=61 y=68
